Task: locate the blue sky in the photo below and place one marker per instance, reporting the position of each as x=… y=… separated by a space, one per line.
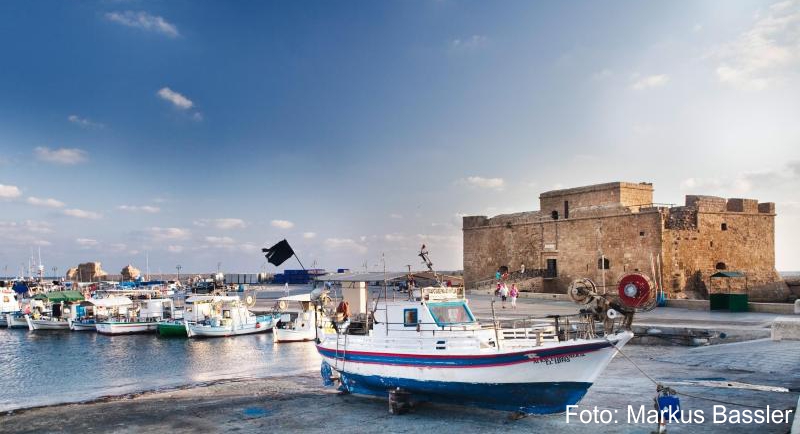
x=196 y=133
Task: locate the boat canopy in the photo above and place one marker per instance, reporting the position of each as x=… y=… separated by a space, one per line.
x=112 y=301
x=211 y=298
x=298 y=297
x=59 y=296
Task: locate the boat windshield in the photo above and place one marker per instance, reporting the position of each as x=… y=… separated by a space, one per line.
x=450 y=313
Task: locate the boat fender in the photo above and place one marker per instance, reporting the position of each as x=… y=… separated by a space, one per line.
x=258 y=325
x=327 y=373
x=612 y=314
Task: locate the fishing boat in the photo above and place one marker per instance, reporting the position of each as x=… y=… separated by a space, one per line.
x=295 y=324
x=9 y=304
x=142 y=316
x=88 y=312
x=229 y=316
x=431 y=347
x=53 y=310
x=16 y=320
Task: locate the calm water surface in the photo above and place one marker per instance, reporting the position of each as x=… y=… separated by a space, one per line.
x=49 y=367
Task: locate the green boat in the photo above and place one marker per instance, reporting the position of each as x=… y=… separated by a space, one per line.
x=172 y=329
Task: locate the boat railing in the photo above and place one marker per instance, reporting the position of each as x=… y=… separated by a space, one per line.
x=560 y=327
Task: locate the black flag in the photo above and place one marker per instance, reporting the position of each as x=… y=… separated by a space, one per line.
x=279 y=253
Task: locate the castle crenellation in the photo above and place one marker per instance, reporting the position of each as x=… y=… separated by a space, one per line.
x=606 y=230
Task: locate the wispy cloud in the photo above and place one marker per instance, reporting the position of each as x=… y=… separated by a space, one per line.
x=309 y=235
x=142 y=208
x=49 y=203
x=345 y=244
x=175 y=248
x=396 y=216
x=766 y=53
x=144 y=21
x=175 y=98
x=223 y=223
x=220 y=240
x=744 y=182
x=651 y=81
x=282 y=224
x=481 y=182
x=26 y=233
x=9 y=191
x=86 y=242
x=66 y=156
x=84 y=122
x=394 y=238
x=470 y=43
x=82 y=214
x=160 y=234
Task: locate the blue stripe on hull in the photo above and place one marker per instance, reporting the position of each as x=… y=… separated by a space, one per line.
x=530 y=398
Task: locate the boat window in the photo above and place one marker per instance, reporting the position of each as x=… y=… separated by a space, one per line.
x=410 y=317
x=450 y=313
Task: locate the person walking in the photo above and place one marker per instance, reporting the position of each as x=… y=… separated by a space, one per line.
x=513 y=294
x=503 y=294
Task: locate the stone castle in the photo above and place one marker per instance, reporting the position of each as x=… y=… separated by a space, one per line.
x=607 y=230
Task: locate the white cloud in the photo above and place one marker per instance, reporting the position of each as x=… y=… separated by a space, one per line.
x=24 y=234
x=82 y=214
x=175 y=98
x=344 y=244
x=223 y=223
x=745 y=182
x=84 y=122
x=650 y=81
x=50 y=203
x=396 y=216
x=602 y=74
x=220 y=240
x=144 y=21
x=282 y=224
x=86 y=242
x=160 y=234
x=9 y=192
x=473 y=42
x=142 y=208
x=394 y=238
x=766 y=53
x=61 y=155
x=481 y=182
x=309 y=235
x=117 y=247
x=175 y=249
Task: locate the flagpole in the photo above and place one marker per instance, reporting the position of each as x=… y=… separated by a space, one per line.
x=298 y=260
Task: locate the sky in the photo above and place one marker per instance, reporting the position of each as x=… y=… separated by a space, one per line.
x=196 y=133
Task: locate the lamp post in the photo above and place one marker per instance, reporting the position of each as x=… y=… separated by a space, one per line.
x=178 y=267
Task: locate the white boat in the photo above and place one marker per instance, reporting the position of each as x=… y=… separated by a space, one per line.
x=432 y=347
x=140 y=316
x=16 y=320
x=46 y=323
x=53 y=310
x=295 y=324
x=228 y=317
x=8 y=305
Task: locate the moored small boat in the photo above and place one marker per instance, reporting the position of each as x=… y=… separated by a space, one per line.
x=174 y=328
x=298 y=324
x=46 y=323
x=143 y=318
x=228 y=317
x=82 y=325
x=16 y=320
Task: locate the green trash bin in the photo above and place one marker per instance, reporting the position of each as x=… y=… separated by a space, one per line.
x=737 y=302
x=719 y=301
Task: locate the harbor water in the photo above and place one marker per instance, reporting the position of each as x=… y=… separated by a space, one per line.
x=51 y=367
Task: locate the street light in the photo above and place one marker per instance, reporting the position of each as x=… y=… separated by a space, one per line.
x=178 y=267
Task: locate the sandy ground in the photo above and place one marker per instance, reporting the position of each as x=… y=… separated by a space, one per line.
x=301 y=404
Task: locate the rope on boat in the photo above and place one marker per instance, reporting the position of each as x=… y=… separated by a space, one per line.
x=660 y=386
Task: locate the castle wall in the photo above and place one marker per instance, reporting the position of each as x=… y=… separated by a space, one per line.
x=608 y=220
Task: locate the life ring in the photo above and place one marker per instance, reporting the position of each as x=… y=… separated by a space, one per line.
x=249 y=300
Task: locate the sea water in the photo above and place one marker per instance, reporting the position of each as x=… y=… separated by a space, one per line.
x=51 y=367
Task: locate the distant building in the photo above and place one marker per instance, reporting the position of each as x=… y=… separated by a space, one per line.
x=607 y=230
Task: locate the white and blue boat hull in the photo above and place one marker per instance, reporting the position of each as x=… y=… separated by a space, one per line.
x=541 y=380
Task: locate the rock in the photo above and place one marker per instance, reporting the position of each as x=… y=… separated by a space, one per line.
x=129 y=272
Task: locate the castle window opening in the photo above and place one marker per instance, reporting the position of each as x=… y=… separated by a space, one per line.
x=711 y=243
x=641 y=233
x=566 y=209
x=721 y=266
x=554 y=215
x=552 y=269
x=724 y=227
x=603 y=264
